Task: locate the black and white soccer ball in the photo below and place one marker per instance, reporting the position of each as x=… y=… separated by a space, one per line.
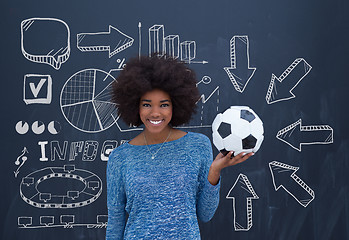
x=238 y=129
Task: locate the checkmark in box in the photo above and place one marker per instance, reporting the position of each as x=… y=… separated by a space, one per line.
x=37 y=89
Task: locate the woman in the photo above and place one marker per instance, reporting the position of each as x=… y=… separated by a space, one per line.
x=164 y=179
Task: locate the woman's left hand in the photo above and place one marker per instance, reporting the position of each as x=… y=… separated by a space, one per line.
x=222 y=161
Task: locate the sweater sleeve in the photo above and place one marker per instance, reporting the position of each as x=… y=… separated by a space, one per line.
x=116 y=198
x=208 y=195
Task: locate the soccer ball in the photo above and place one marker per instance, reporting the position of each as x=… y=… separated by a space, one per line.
x=238 y=129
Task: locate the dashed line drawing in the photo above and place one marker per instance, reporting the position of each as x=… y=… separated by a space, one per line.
x=242 y=194
x=240 y=72
x=44 y=189
x=284 y=176
x=171 y=46
x=280 y=88
x=52 y=35
x=296 y=135
x=37 y=89
x=20 y=161
x=85 y=101
x=63 y=221
x=113 y=41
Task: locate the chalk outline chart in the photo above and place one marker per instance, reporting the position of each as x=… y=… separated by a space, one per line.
x=30 y=193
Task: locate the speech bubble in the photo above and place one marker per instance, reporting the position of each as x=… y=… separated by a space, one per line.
x=45 y=40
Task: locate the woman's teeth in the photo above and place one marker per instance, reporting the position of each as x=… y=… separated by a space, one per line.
x=155 y=122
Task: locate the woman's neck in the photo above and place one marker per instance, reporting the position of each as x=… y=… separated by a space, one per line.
x=156 y=138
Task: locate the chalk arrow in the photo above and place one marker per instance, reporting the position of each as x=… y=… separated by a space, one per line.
x=113 y=41
x=285 y=176
x=280 y=88
x=242 y=194
x=296 y=135
x=239 y=71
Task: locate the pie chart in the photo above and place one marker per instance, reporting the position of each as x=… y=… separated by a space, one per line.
x=86 y=103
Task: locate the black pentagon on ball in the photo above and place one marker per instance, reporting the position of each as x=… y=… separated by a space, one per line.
x=247 y=115
x=249 y=142
x=224 y=129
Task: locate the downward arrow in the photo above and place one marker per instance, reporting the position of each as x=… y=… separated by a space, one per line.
x=242 y=194
x=239 y=71
x=285 y=176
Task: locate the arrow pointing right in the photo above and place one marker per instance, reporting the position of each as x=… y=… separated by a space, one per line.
x=113 y=41
x=285 y=176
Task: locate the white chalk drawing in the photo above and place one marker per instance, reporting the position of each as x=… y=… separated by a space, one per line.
x=67 y=221
x=24 y=221
x=47 y=220
x=45 y=40
x=38 y=127
x=284 y=176
x=171 y=46
x=242 y=194
x=22 y=127
x=280 y=88
x=42 y=145
x=156 y=39
x=37 y=89
x=239 y=72
x=121 y=63
x=139 y=39
x=54 y=127
x=20 y=161
x=107 y=148
x=45 y=188
x=113 y=41
x=296 y=135
x=86 y=101
x=87 y=150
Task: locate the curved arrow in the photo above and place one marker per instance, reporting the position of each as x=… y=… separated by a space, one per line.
x=242 y=194
x=285 y=176
x=239 y=71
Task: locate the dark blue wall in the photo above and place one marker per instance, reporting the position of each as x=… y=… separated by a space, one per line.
x=61 y=193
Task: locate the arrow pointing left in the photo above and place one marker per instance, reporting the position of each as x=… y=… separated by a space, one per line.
x=296 y=135
x=242 y=194
x=113 y=41
x=239 y=71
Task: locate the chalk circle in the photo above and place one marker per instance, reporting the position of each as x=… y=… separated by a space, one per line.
x=38 y=127
x=22 y=127
x=206 y=79
x=54 y=127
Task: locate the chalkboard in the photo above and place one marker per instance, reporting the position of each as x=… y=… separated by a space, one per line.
x=286 y=60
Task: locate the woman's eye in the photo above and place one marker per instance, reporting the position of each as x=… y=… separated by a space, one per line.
x=146 y=105
x=165 y=105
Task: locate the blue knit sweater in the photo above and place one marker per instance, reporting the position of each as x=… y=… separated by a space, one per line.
x=164 y=196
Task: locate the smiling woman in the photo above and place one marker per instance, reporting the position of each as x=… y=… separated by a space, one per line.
x=164 y=178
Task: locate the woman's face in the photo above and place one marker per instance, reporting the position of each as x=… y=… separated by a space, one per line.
x=155 y=111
